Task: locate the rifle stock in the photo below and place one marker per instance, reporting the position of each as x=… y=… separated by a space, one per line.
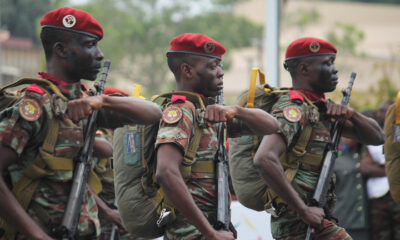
x=82 y=165
x=222 y=177
x=319 y=197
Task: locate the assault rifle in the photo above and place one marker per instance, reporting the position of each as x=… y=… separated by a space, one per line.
x=319 y=198
x=221 y=163
x=82 y=164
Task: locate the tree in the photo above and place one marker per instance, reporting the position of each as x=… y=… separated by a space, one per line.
x=20 y=17
x=138 y=32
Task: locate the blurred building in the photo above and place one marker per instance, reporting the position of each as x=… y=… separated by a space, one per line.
x=19 y=58
x=377 y=54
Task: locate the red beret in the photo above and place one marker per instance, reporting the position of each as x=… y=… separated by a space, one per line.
x=308 y=47
x=197 y=44
x=73 y=20
x=114 y=90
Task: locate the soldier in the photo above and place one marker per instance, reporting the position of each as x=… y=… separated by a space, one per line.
x=195 y=61
x=310 y=62
x=69 y=37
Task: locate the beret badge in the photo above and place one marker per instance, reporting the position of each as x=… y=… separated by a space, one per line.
x=209 y=47
x=69 y=21
x=314 y=47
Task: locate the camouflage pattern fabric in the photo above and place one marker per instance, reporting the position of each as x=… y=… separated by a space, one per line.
x=385 y=218
x=289 y=225
x=202 y=186
x=25 y=137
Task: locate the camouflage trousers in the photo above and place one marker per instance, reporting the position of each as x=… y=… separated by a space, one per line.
x=385 y=218
x=291 y=227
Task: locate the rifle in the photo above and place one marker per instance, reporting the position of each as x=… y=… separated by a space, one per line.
x=319 y=198
x=221 y=162
x=82 y=166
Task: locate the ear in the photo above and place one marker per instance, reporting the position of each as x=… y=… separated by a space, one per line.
x=186 y=70
x=60 y=49
x=303 y=68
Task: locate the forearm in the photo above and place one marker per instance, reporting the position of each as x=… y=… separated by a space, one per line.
x=177 y=193
x=257 y=121
x=367 y=130
x=133 y=110
x=16 y=216
x=272 y=171
x=372 y=170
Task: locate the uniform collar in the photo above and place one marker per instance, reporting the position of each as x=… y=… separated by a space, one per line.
x=70 y=90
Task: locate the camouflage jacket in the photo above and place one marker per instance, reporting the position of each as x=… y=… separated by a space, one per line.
x=24 y=132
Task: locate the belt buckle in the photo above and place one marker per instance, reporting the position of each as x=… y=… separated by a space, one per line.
x=164 y=218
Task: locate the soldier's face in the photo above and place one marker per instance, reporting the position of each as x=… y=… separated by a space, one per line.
x=84 y=59
x=208 y=76
x=323 y=74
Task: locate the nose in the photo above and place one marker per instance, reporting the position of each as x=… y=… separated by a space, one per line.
x=220 y=73
x=335 y=71
x=99 y=55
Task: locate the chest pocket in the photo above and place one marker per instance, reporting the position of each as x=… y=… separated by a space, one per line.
x=320 y=137
x=70 y=139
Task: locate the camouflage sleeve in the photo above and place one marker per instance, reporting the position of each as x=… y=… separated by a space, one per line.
x=22 y=124
x=291 y=118
x=392 y=154
x=176 y=125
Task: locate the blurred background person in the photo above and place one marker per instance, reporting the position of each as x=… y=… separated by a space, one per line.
x=384 y=212
x=351 y=205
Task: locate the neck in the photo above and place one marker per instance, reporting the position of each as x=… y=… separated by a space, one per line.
x=57 y=70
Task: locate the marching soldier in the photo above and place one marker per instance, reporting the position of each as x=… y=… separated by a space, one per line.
x=39 y=138
x=310 y=62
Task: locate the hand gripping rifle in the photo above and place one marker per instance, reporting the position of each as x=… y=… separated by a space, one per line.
x=221 y=163
x=319 y=198
x=82 y=164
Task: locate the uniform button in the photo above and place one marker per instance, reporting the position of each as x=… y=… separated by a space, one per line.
x=358 y=175
x=359 y=208
x=344 y=171
x=359 y=197
x=66 y=141
x=355 y=155
x=358 y=186
x=78 y=142
x=357 y=165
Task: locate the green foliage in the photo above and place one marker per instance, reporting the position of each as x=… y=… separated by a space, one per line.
x=138 y=32
x=20 y=17
x=345 y=37
x=301 y=18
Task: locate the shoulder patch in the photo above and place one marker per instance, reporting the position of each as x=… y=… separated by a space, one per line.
x=172 y=114
x=35 y=88
x=30 y=109
x=292 y=113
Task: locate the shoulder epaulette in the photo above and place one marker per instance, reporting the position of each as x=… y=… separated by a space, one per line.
x=175 y=98
x=293 y=95
x=35 y=88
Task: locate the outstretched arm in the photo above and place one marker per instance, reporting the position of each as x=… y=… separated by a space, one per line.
x=257 y=121
x=268 y=164
x=357 y=126
x=120 y=110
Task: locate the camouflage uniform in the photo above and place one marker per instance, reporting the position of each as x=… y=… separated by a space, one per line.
x=288 y=225
x=26 y=137
x=202 y=186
